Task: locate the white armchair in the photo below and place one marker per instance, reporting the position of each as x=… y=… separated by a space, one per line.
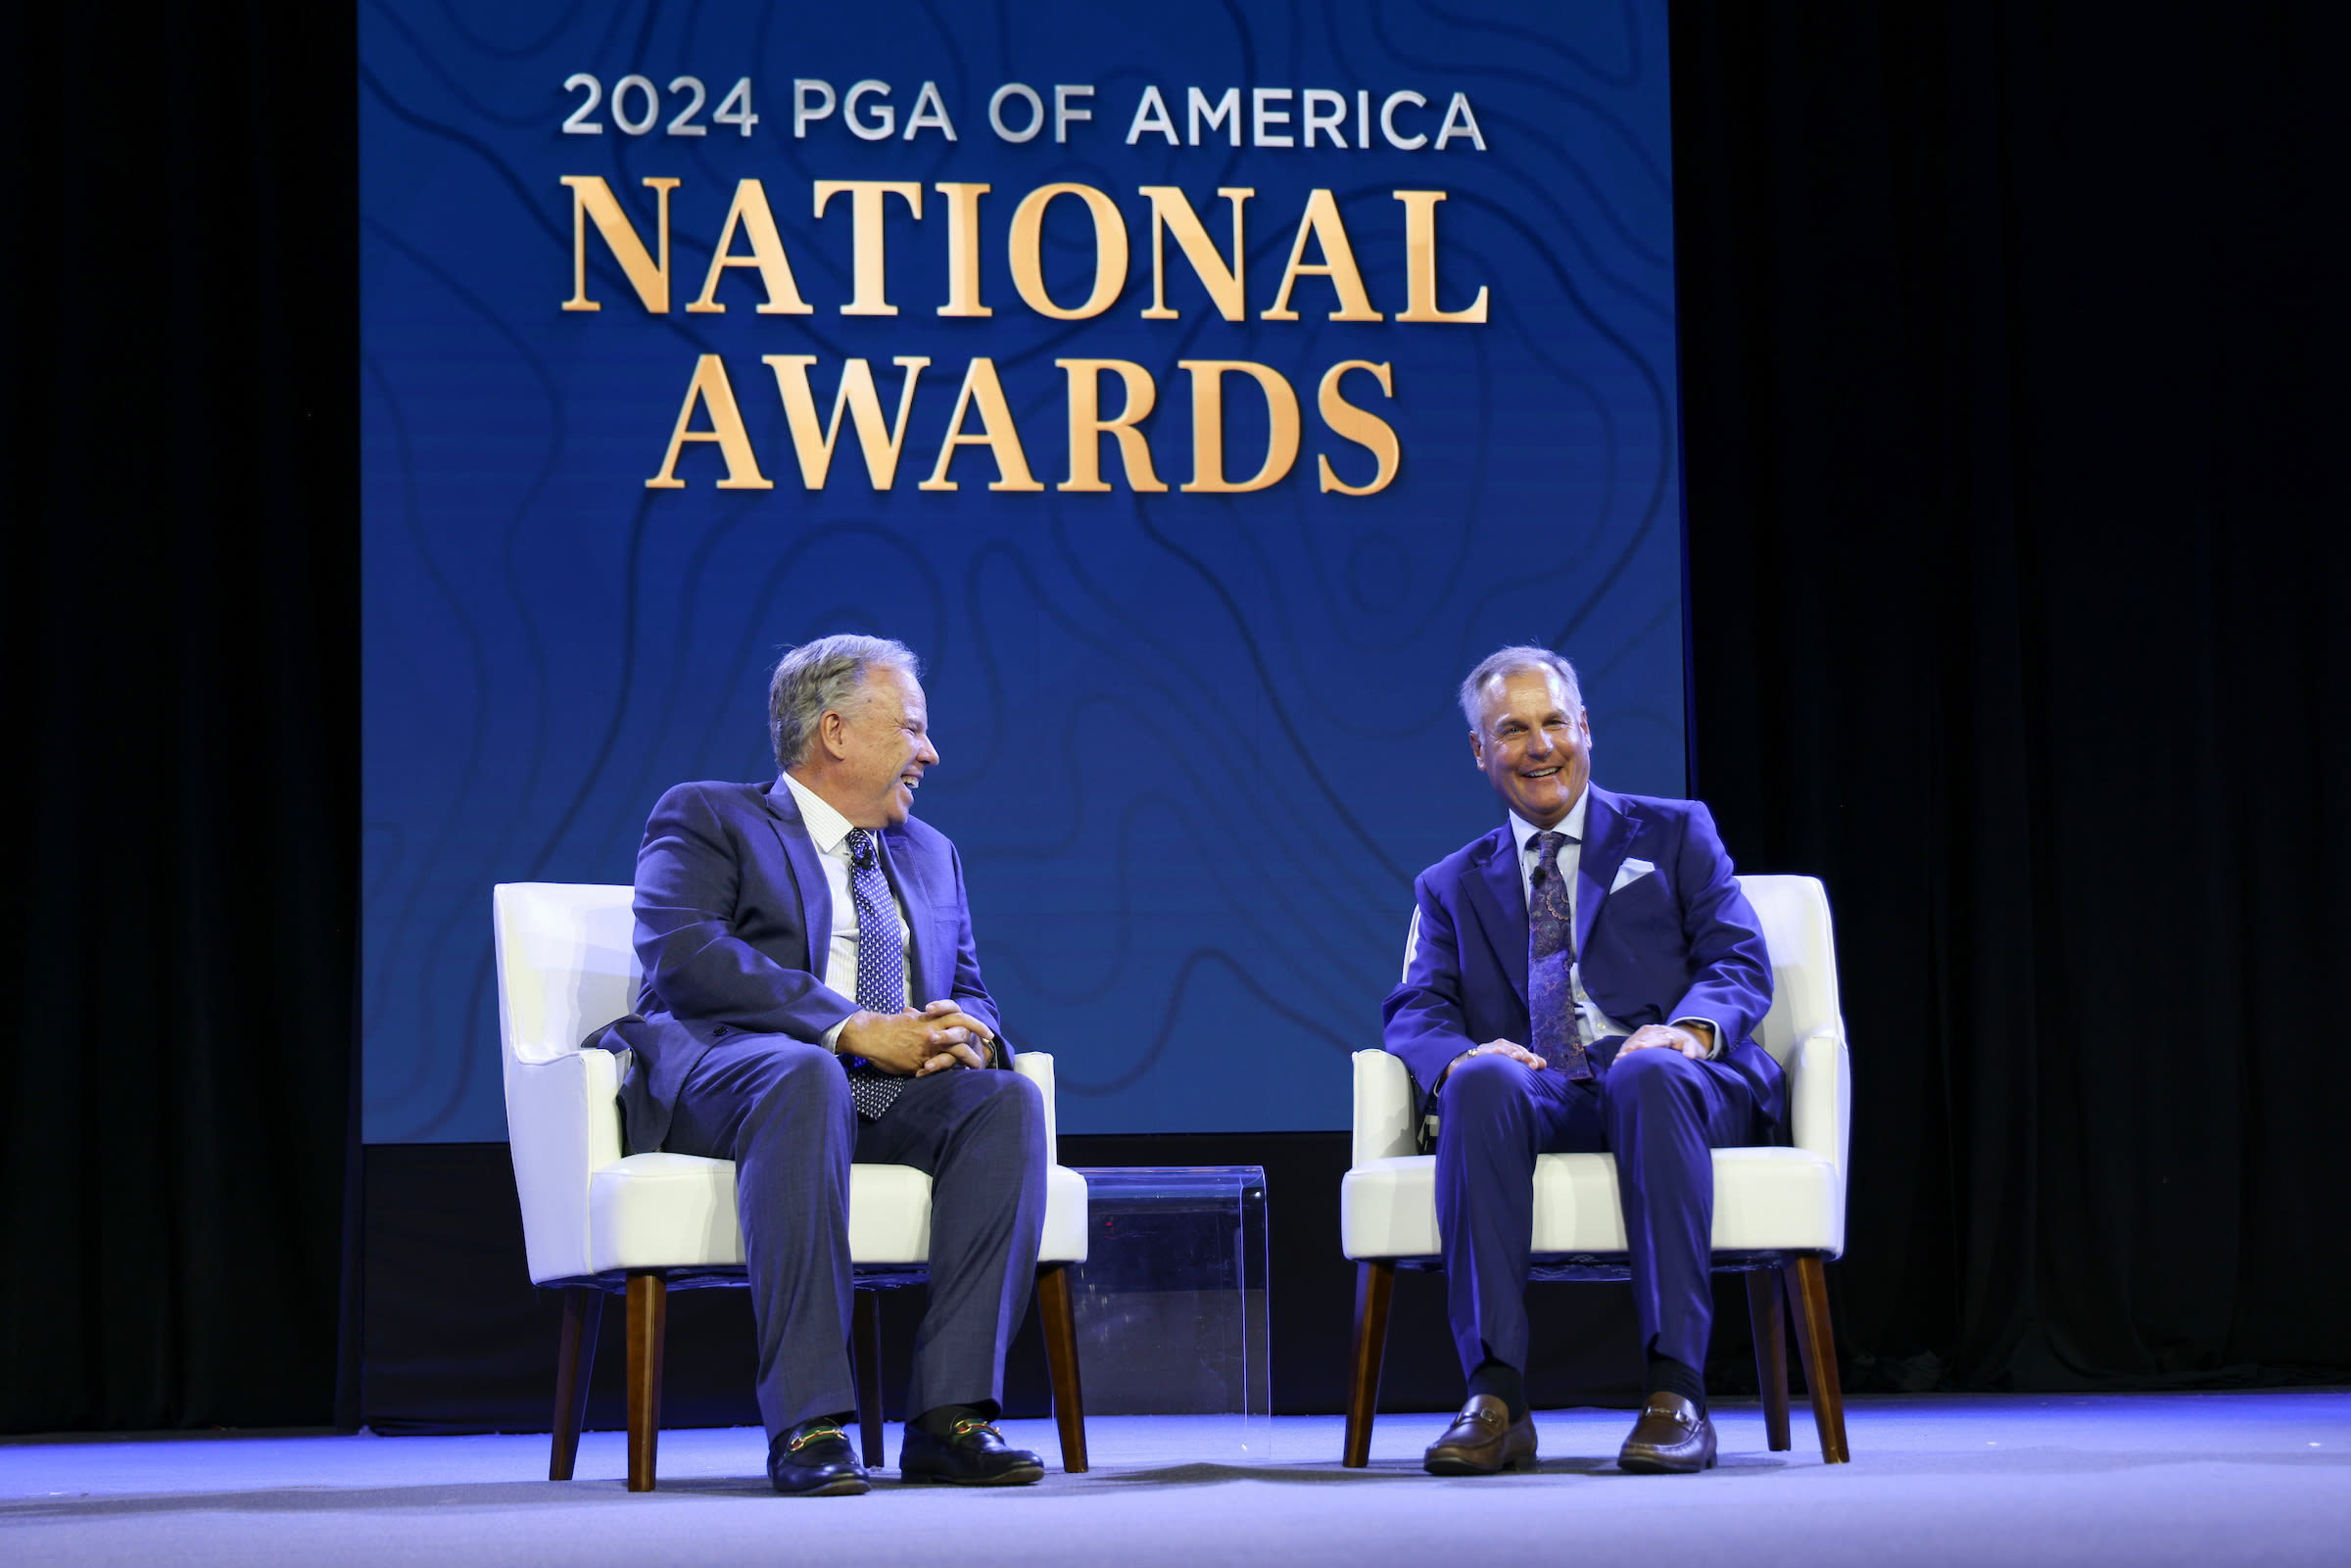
x=1779 y=1213
x=596 y=1221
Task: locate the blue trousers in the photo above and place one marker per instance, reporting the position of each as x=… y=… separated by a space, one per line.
x=779 y=1109
x=1659 y=1113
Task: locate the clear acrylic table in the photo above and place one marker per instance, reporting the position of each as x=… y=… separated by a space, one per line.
x=1172 y=1301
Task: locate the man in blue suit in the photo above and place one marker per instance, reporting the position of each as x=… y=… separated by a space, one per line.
x=787 y=930
x=1585 y=977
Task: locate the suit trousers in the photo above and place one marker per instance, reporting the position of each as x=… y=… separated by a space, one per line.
x=1659 y=1113
x=779 y=1109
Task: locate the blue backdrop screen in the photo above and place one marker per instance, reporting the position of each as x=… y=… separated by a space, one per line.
x=1362 y=316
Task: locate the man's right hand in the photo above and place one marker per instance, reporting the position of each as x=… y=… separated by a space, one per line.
x=902 y=1042
x=1509 y=1048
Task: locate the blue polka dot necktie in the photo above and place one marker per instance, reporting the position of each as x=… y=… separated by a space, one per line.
x=1549 y=958
x=880 y=968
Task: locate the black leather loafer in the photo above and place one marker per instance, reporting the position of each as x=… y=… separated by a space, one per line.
x=1483 y=1440
x=814 y=1461
x=1674 y=1437
x=974 y=1454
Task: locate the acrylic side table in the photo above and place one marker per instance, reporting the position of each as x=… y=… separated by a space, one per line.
x=1172 y=1306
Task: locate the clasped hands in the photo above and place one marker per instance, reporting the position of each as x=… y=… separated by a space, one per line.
x=1649 y=1038
x=915 y=1044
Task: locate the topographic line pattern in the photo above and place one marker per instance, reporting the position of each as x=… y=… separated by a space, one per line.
x=1195 y=745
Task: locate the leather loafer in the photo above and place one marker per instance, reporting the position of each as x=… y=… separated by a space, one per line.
x=814 y=1461
x=1674 y=1437
x=974 y=1454
x=1482 y=1439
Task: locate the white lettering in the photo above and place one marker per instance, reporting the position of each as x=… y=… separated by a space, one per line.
x=1460 y=121
x=1228 y=112
x=1037 y=111
x=1387 y=121
x=929 y=114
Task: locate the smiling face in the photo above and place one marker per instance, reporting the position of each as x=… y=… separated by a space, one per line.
x=1534 y=745
x=872 y=750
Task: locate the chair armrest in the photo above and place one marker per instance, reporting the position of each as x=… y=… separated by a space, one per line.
x=562 y=1126
x=1037 y=1067
x=1820 y=1095
x=1384 y=1108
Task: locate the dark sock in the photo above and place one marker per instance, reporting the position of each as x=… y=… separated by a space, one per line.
x=941 y=1421
x=1501 y=1380
x=1670 y=1376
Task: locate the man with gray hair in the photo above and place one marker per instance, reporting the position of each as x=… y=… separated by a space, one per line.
x=1589 y=978
x=788 y=929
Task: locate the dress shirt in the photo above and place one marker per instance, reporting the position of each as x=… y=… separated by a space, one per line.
x=829 y=831
x=1591 y=1024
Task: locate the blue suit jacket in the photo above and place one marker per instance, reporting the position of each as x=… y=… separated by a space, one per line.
x=1680 y=942
x=734 y=922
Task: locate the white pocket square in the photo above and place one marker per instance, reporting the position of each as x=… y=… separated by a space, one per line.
x=1632 y=871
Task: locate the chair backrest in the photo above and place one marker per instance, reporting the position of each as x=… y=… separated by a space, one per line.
x=567 y=962
x=1794 y=914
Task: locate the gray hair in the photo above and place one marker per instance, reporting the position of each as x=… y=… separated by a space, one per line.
x=1511 y=661
x=822 y=677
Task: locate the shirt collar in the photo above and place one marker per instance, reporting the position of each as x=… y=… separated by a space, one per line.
x=825 y=826
x=1522 y=832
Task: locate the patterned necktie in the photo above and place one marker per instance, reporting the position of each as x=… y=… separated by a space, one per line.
x=880 y=968
x=1550 y=955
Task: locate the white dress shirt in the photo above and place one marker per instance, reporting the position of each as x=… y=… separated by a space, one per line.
x=829 y=831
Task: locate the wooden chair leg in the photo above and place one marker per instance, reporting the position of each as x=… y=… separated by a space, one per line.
x=1060 y=1322
x=648 y=1329
x=575 y=1357
x=1374 y=1285
x=865 y=1328
x=1808 y=1292
x=1765 y=1310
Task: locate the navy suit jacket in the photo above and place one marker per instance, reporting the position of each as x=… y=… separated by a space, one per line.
x=733 y=923
x=1680 y=942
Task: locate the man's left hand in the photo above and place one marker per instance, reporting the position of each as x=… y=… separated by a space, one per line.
x=977 y=1054
x=1668 y=1037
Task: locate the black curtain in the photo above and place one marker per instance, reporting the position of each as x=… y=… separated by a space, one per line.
x=2013 y=349
x=180 y=581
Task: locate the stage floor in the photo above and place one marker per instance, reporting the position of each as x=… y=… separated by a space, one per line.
x=2139 y=1478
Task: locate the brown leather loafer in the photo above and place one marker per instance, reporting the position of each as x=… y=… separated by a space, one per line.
x=1482 y=1439
x=1674 y=1437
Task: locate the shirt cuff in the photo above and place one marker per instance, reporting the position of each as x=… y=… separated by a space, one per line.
x=1722 y=1039
x=831 y=1038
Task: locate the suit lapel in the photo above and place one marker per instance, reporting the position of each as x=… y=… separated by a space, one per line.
x=799 y=851
x=1609 y=834
x=1498 y=894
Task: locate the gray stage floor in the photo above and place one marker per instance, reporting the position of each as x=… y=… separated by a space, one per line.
x=2202 y=1479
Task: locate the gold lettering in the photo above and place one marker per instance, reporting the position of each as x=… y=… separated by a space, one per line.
x=997 y=433
x=1087 y=427
x=871 y=293
x=1172 y=210
x=1208 y=425
x=750 y=211
x=880 y=442
x=1027 y=245
x=1358 y=425
x=1321 y=223
x=591 y=198
x=963 y=248
x=711 y=389
x=1420 y=262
